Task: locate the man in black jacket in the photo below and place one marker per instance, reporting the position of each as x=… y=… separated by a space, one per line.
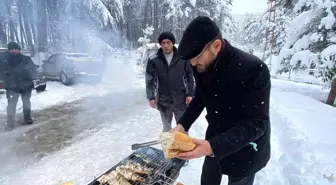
x=234 y=87
x=20 y=71
x=169 y=81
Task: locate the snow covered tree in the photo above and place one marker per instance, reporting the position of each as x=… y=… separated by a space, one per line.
x=253 y=31
x=144 y=41
x=256 y=27
x=147 y=33
x=220 y=12
x=178 y=13
x=311 y=38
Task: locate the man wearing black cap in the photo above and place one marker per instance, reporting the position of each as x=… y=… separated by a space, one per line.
x=169 y=81
x=234 y=87
x=20 y=71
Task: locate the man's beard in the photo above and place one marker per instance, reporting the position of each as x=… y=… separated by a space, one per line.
x=204 y=68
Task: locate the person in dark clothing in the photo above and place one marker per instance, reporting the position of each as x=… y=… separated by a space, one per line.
x=170 y=81
x=234 y=87
x=20 y=71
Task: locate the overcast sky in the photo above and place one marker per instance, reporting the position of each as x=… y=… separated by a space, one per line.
x=240 y=7
x=251 y=6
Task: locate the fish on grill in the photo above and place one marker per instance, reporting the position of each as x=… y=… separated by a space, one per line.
x=145 y=166
x=113 y=178
x=142 y=158
x=137 y=168
x=129 y=174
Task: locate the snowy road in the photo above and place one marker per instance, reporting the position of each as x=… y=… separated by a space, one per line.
x=62 y=125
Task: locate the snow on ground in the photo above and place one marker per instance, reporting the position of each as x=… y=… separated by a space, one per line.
x=317 y=92
x=303 y=144
x=121 y=79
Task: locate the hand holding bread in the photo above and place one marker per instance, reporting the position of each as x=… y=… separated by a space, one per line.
x=175 y=142
x=203 y=148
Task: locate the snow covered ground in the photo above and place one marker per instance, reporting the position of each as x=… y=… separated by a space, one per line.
x=303 y=144
x=316 y=92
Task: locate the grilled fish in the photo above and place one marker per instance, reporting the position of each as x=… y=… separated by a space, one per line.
x=113 y=178
x=142 y=158
x=137 y=168
x=129 y=174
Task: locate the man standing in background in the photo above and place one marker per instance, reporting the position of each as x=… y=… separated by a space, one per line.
x=169 y=81
x=20 y=71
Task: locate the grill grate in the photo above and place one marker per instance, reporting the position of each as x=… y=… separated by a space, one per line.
x=164 y=172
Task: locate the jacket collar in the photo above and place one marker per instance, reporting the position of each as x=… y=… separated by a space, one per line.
x=224 y=57
x=161 y=55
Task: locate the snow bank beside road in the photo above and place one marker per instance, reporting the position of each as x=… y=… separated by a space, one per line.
x=316 y=92
x=303 y=142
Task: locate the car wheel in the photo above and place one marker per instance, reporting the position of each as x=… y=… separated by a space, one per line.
x=64 y=79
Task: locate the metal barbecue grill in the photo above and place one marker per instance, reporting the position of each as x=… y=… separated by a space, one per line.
x=165 y=171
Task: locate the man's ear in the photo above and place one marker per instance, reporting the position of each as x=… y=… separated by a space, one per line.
x=216 y=46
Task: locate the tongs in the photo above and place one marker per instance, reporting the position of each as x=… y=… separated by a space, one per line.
x=141 y=145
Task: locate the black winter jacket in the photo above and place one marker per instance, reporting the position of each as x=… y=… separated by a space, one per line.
x=20 y=71
x=236 y=94
x=174 y=80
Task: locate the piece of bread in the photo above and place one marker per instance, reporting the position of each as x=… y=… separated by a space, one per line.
x=174 y=143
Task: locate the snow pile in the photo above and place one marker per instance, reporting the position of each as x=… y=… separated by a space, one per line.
x=316 y=92
x=306 y=142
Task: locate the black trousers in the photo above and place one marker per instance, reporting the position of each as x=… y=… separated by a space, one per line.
x=169 y=106
x=212 y=175
x=12 y=99
x=167 y=117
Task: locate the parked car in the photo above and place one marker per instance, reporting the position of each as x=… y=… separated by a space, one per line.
x=40 y=83
x=70 y=66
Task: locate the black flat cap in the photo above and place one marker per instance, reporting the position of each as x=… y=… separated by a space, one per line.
x=198 y=33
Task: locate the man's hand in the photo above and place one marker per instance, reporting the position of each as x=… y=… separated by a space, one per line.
x=152 y=103
x=188 y=99
x=203 y=148
x=178 y=128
